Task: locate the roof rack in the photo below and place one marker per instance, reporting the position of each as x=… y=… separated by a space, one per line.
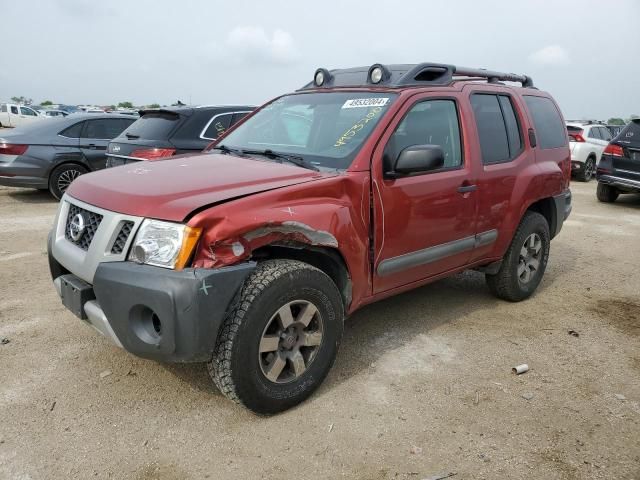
x=406 y=75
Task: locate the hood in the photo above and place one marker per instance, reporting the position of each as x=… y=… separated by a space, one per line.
x=171 y=189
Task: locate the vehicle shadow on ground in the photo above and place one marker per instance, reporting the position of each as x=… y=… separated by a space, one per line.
x=631 y=201
x=390 y=324
x=27 y=195
x=382 y=326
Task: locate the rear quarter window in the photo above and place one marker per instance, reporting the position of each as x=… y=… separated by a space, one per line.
x=630 y=135
x=154 y=126
x=550 y=130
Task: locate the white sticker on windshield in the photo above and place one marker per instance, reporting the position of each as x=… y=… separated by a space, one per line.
x=365 y=102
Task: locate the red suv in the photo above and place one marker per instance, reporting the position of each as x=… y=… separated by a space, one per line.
x=365 y=183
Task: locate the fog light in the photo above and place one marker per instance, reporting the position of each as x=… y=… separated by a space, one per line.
x=319 y=78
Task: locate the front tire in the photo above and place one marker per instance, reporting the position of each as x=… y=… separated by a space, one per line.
x=62 y=176
x=606 y=193
x=280 y=340
x=524 y=263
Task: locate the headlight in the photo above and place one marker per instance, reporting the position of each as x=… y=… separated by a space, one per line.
x=164 y=244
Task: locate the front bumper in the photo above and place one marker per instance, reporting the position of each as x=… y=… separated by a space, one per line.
x=155 y=313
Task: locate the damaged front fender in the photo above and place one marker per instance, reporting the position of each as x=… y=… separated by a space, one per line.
x=240 y=247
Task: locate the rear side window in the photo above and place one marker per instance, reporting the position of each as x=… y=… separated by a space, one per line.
x=105 y=128
x=605 y=134
x=550 y=131
x=73 y=131
x=14 y=110
x=3 y=108
x=217 y=126
x=238 y=116
x=494 y=142
x=154 y=126
x=594 y=133
x=630 y=135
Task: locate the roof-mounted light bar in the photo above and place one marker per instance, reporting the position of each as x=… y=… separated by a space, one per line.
x=408 y=75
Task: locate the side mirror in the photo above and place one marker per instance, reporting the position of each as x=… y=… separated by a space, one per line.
x=418 y=159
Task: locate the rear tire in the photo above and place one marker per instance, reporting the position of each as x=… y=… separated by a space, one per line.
x=606 y=193
x=524 y=263
x=62 y=176
x=280 y=340
x=586 y=174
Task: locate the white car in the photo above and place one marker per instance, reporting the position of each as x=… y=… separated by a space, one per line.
x=53 y=113
x=12 y=115
x=587 y=142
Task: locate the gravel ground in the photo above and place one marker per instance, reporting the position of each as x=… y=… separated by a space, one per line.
x=422 y=386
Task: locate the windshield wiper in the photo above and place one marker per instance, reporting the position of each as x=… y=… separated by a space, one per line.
x=225 y=149
x=296 y=160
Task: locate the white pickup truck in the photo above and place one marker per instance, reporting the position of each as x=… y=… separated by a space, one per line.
x=12 y=115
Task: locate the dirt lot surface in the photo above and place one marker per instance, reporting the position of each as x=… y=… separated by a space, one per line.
x=422 y=386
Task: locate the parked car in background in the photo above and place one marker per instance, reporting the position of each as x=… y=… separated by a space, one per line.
x=587 y=142
x=164 y=132
x=50 y=155
x=615 y=129
x=13 y=115
x=619 y=168
x=365 y=183
x=53 y=113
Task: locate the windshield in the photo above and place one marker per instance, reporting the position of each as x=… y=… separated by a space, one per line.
x=325 y=129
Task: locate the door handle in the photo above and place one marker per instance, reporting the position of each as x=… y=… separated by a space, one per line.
x=467 y=188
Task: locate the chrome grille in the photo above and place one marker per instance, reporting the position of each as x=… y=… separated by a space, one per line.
x=91 y=221
x=121 y=239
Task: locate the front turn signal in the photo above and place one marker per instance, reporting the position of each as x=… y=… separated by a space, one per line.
x=189 y=242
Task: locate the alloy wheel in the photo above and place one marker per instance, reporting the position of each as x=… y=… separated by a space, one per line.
x=290 y=341
x=530 y=255
x=588 y=170
x=65 y=179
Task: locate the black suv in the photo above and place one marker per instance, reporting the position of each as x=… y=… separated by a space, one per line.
x=619 y=167
x=164 y=132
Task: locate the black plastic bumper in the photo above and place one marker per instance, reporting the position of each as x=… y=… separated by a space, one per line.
x=161 y=314
x=562 y=210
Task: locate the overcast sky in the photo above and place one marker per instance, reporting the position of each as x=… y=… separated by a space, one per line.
x=586 y=53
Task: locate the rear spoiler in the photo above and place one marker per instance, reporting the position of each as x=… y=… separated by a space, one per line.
x=183 y=111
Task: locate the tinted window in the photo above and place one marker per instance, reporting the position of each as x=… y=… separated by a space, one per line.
x=604 y=133
x=512 y=124
x=630 y=135
x=218 y=125
x=433 y=122
x=494 y=142
x=238 y=116
x=154 y=126
x=594 y=133
x=14 y=110
x=550 y=131
x=105 y=128
x=73 y=131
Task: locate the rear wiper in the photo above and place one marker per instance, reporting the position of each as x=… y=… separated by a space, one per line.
x=296 y=160
x=131 y=136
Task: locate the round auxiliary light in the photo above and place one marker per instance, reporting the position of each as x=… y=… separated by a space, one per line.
x=318 y=78
x=376 y=75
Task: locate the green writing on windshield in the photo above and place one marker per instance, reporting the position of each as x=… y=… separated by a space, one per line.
x=356 y=127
